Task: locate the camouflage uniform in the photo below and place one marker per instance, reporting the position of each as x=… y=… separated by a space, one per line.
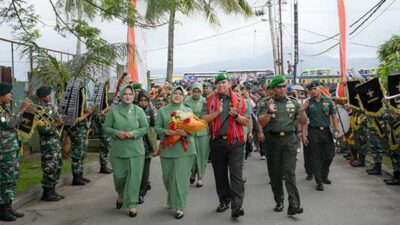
x=361 y=140
x=9 y=154
x=50 y=146
x=77 y=134
x=105 y=143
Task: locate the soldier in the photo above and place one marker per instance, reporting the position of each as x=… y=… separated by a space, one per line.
x=78 y=136
x=105 y=142
x=50 y=147
x=9 y=152
x=394 y=154
x=278 y=118
x=320 y=111
x=225 y=112
x=362 y=139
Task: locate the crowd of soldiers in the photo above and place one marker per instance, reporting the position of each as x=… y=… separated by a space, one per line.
x=277 y=120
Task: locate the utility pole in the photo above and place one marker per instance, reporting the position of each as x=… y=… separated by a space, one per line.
x=296 y=40
x=280 y=38
x=272 y=28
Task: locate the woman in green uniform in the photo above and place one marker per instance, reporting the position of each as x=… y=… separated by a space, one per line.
x=201 y=138
x=176 y=163
x=126 y=124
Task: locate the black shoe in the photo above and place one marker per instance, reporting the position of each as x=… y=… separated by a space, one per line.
x=141 y=200
x=105 y=170
x=192 y=179
x=236 y=212
x=222 y=207
x=6 y=214
x=376 y=170
x=279 y=207
x=179 y=216
x=118 y=205
x=84 y=178
x=309 y=177
x=320 y=187
x=392 y=181
x=49 y=196
x=57 y=194
x=132 y=214
x=358 y=164
x=77 y=181
x=326 y=181
x=15 y=213
x=294 y=210
x=148 y=187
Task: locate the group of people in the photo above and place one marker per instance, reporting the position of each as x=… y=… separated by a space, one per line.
x=269 y=117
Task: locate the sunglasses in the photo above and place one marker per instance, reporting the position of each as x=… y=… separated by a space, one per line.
x=281 y=86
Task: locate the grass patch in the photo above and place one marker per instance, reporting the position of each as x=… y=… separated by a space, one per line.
x=31 y=172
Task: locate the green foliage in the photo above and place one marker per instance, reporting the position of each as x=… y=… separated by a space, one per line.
x=389 y=57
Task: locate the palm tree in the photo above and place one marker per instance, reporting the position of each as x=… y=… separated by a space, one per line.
x=158 y=10
x=75 y=10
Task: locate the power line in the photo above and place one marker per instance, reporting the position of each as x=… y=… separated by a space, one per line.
x=379 y=4
x=332 y=47
x=208 y=37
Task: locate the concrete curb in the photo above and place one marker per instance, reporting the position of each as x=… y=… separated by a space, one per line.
x=35 y=193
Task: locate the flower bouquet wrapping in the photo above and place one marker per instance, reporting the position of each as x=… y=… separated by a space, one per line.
x=186 y=121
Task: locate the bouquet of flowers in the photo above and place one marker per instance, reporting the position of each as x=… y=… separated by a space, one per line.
x=186 y=121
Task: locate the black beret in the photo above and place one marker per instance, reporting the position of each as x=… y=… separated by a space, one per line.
x=43 y=91
x=5 y=88
x=314 y=83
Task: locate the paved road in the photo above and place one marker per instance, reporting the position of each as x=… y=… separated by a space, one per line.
x=353 y=198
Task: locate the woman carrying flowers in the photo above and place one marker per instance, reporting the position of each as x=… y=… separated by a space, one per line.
x=177 y=156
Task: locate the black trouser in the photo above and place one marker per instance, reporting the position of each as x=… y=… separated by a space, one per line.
x=322 y=150
x=145 y=177
x=281 y=159
x=249 y=148
x=307 y=154
x=227 y=162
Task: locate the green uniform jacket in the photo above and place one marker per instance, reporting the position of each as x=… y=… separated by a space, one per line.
x=126 y=118
x=161 y=126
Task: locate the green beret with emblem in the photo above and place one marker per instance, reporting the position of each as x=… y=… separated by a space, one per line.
x=136 y=86
x=221 y=76
x=5 y=88
x=314 y=83
x=276 y=81
x=43 y=91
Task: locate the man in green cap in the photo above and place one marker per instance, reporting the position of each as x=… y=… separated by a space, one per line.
x=320 y=111
x=50 y=146
x=278 y=117
x=9 y=152
x=225 y=111
x=207 y=90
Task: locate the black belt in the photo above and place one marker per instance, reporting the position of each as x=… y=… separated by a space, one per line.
x=281 y=133
x=319 y=128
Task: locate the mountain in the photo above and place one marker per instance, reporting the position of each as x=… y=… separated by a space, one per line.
x=265 y=61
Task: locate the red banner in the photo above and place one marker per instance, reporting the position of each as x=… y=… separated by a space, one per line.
x=340 y=90
x=132 y=61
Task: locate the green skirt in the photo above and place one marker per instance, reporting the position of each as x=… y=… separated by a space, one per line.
x=127 y=174
x=175 y=174
x=203 y=151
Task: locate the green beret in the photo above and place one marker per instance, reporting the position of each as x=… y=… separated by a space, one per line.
x=136 y=86
x=221 y=76
x=43 y=91
x=279 y=79
x=5 y=88
x=314 y=83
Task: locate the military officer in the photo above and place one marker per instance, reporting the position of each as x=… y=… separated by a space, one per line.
x=9 y=152
x=320 y=111
x=278 y=117
x=105 y=142
x=50 y=147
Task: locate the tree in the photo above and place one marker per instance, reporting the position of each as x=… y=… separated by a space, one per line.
x=159 y=10
x=389 y=56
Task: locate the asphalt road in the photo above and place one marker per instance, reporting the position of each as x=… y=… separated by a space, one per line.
x=353 y=198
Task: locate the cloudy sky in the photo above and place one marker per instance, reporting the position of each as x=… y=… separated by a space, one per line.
x=236 y=37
